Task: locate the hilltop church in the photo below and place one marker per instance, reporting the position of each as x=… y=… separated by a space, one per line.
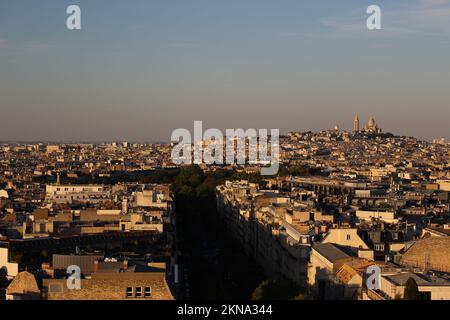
x=371 y=126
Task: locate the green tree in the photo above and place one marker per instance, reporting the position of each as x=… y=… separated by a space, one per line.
x=411 y=290
x=275 y=290
x=44 y=254
x=191 y=176
x=300 y=296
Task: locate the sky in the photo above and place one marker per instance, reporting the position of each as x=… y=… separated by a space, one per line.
x=139 y=69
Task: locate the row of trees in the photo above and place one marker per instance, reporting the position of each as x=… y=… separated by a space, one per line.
x=234 y=275
x=217 y=268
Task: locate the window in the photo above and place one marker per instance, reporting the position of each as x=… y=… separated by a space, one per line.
x=348 y=237
x=148 y=292
x=425 y=295
x=395 y=236
x=138 y=292
x=129 y=292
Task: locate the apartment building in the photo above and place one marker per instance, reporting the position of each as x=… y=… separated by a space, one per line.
x=257 y=221
x=138 y=282
x=76 y=193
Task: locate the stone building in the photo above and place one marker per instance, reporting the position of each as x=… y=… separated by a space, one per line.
x=429 y=254
x=23 y=287
x=135 y=283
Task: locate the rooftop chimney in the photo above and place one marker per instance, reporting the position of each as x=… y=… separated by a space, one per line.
x=96 y=266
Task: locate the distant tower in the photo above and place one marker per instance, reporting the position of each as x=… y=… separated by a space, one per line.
x=372 y=126
x=356 y=123
x=124 y=205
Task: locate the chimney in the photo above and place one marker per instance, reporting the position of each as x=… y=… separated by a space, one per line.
x=96 y=266
x=125 y=264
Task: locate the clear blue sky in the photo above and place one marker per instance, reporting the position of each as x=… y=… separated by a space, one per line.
x=139 y=69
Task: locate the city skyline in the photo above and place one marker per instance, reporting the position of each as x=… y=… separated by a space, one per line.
x=359 y=126
x=138 y=71
x=232 y=157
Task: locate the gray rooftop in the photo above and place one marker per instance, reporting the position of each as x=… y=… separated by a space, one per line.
x=330 y=251
x=421 y=280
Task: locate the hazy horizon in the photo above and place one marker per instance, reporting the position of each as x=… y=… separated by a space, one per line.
x=140 y=69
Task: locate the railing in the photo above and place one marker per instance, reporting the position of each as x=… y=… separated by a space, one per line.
x=374 y=295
